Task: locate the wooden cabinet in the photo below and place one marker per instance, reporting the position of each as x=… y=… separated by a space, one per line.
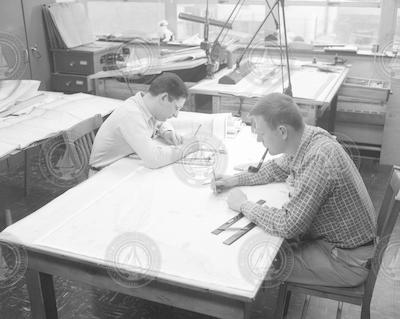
x=23 y=41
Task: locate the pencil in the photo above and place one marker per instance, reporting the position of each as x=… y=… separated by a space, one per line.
x=197 y=130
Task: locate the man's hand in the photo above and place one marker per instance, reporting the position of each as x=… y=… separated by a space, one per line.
x=172 y=138
x=223 y=182
x=235 y=199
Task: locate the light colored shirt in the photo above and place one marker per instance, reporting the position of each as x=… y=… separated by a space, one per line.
x=328 y=198
x=131 y=129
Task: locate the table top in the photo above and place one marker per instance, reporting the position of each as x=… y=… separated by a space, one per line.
x=48 y=115
x=174 y=218
x=309 y=83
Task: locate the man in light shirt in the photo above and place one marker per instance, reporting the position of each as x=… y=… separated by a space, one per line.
x=133 y=127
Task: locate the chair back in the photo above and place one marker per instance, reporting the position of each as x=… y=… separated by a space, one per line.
x=387 y=217
x=79 y=141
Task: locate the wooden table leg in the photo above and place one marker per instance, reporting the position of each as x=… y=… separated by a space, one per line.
x=41 y=294
x=332 y=115
x=28 y=168
x=247 y=310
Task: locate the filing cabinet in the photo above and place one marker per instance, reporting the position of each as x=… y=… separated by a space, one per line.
x=72 y=67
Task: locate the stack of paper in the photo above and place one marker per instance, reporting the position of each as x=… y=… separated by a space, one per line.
x=68 y=25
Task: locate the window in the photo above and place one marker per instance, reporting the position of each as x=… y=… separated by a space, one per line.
x=334 y=25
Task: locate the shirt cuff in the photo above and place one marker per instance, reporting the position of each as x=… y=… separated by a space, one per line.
x=246 y=209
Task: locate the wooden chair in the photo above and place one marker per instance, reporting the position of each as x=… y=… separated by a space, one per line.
x=6 y=221
x=79 y=141
x=362 y=294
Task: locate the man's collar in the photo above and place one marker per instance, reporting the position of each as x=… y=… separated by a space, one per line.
x=140 y=102
x=304 y=142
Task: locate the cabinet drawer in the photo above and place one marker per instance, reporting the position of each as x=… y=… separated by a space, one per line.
x=85 y=59
x=71 y=83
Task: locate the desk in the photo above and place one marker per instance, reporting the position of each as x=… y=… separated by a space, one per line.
x=44 y=117
x=71 y=236
x=314 y=91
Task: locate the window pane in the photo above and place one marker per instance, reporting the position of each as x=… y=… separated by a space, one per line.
x=337 y=25
x=246 y=23
x=126 y=18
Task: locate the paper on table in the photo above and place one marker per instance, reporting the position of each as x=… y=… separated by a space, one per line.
x=13 y=91
x=180 y=226
x=215 y=125
x=6 y=149
x=51 y=118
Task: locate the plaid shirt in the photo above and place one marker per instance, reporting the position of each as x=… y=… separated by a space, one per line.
x=328 y=198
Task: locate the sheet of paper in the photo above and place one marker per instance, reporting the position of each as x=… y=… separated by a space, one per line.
x=72 y=23
x=14 y=91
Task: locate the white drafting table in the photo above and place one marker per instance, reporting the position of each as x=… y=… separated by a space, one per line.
x=310 y=87
x=69 y=236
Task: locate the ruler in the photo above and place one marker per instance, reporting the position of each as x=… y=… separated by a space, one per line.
x=231 y=221
x=243 y=231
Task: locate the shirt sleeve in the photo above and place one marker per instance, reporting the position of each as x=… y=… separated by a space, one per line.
x=152 y=152
x=275 y=170
x=163 y=127
x=295 y=217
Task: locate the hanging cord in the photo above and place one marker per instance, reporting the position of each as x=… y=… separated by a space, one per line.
x=281 y=52
x=289 y=88
x=233 y=13
x=255 y=34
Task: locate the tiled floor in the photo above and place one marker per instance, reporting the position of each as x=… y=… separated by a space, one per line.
x=80 y=301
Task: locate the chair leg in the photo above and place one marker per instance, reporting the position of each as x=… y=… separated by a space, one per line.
x=339 y=310
x=281 y=304
x=365 y=311
x=305 y=307
x=28 y=172
x=285 y=311
x=8 y=218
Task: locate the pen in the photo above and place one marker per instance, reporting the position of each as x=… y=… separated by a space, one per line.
x=253 y=169
x=197 y=130
x=214 y=186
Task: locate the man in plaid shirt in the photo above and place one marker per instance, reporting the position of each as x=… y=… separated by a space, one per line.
x=329 y=213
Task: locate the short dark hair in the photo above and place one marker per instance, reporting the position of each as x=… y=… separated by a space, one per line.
x=169 y=83
x=277 y=109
